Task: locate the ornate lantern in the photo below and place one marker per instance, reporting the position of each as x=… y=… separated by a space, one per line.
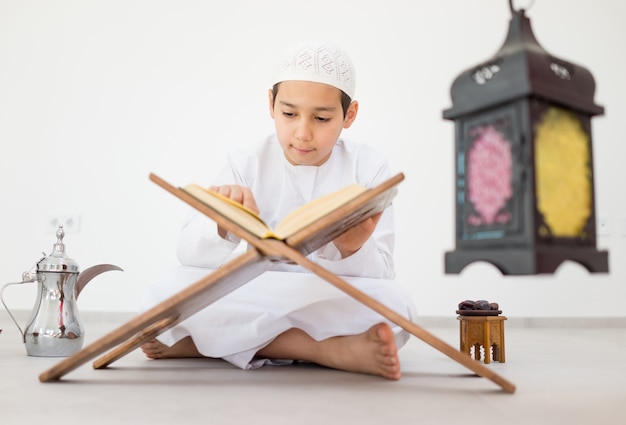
x=524 y=164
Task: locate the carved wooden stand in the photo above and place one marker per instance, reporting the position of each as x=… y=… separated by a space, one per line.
x=485 y=331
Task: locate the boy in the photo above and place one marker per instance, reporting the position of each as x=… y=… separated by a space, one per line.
x=287 y=314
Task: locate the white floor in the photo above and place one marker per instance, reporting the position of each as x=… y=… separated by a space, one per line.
x=566 y=372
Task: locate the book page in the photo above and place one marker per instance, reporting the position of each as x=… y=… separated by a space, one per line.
x=235 y=211
x=308 y=213
x=297 y=220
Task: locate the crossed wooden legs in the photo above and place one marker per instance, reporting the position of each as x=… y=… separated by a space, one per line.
x=222 y=281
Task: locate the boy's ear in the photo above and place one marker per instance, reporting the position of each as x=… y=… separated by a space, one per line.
x=271 y=102
x=351 y=114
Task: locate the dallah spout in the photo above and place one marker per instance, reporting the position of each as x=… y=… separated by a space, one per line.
x=86 y=275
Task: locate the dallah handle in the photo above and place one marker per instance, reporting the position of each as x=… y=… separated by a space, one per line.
x=9 y=311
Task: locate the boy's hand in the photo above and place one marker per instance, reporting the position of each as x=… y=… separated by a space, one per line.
x=239 y=194
x=353 y=239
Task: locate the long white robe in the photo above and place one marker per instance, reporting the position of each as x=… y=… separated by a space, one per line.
x=240 y=324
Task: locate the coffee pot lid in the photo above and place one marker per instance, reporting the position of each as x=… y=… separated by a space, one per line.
x=58 y=261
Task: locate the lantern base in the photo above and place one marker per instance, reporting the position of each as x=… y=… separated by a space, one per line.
x=515 y=261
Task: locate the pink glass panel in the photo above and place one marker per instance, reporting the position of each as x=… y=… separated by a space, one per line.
x=489 y=177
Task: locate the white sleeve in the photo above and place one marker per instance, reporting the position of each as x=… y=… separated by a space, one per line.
x=199 y=245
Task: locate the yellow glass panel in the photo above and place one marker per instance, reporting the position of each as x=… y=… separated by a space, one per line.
x=562 y=166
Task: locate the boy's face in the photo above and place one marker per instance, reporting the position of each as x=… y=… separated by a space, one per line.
x=309 y=119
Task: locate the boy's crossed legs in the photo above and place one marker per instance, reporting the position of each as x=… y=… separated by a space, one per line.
x=372 y=352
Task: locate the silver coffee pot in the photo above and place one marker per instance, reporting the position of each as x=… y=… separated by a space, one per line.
x=54 y=328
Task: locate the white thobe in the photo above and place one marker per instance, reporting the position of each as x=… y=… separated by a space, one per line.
x=246 y=320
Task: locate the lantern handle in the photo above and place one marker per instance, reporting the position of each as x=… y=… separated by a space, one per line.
x=513 y=11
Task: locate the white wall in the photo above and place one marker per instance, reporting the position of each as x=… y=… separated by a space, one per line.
x=96 y=94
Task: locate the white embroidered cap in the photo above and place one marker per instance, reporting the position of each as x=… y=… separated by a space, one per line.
x=323 y=63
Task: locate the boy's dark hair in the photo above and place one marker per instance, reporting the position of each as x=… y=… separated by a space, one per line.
x=345 y=99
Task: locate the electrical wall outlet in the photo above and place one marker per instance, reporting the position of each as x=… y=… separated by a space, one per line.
x=70 y=222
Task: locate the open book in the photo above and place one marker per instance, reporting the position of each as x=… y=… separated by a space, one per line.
x=297 y=220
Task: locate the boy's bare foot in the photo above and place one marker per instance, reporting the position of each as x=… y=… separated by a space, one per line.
x=373 y=352
x=154 y=349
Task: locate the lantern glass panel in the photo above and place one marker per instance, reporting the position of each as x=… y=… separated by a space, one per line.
x=487 y=177
x=563 y=169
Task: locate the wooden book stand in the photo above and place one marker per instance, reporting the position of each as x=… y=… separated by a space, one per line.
x=246 y=267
